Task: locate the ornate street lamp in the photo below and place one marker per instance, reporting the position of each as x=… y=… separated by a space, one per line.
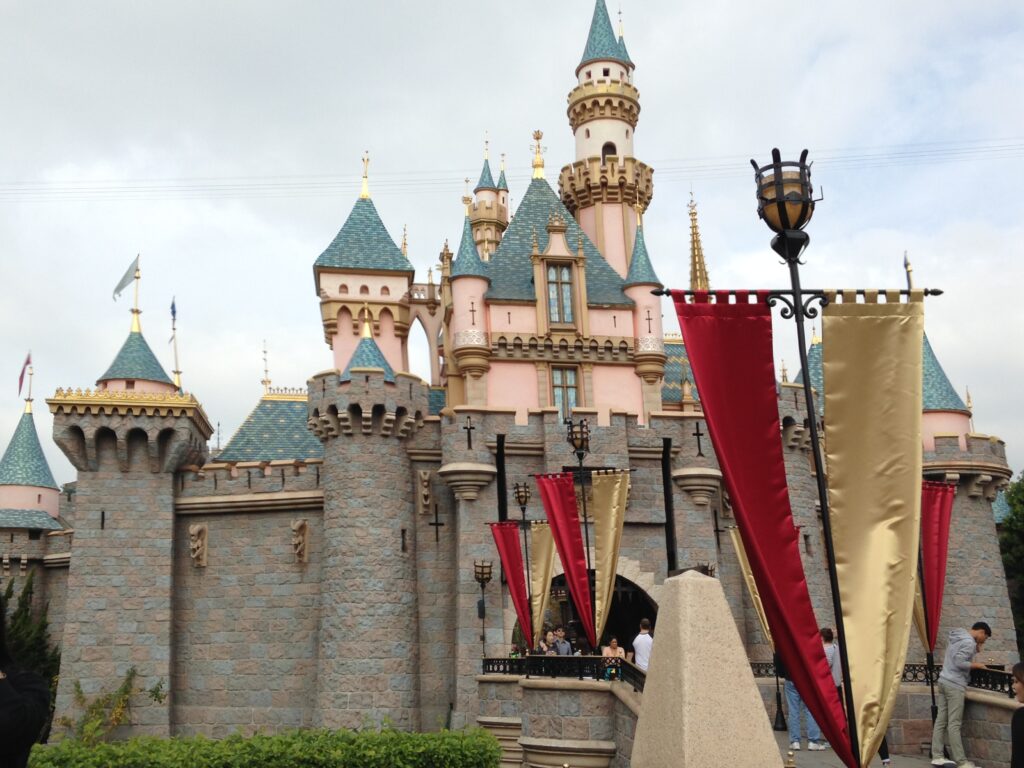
x=577 y=434
x=482 y=572
x=522 y=494
x=785 y=202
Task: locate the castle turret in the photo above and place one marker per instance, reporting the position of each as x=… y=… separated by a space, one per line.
x=489 y=214
x=127 y=439
x=606 y=182
x=362 y=272
x=471 y=346
x=368 y=628
x=650 y=345
x=27 y=487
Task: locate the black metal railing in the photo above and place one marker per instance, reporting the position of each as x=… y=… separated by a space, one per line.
x=995 y=680
x=578 y=667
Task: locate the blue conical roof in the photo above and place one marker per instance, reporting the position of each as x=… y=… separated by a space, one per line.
x=486 y=180
x=467 y=262
x=23 y=462
x=136 y=360
x=640 y=270
x=625 y=52
x=364 y=243
x=601 y=42
x=939 y=394
x=368 y=355
x=276 y=429
x=502 y=184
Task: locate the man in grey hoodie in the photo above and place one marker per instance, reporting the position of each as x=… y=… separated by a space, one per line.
x=957 y=664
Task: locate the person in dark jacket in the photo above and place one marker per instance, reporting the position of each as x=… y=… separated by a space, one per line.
x=24 y=707
x=1017 y=723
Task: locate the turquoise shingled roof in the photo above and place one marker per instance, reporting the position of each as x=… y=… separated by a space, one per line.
x=502 y=184
x=601 y=42
x=677 y=369
x=510 y=268
x=368 y=355
x=625 y=53
x=437 y=398
x=1000 y=508
x=136 y=361
x=364 y=243
x=23 y=462
x=486 y=180
x=467 y=262
x=640 y=270
x=28 y=519
x=275 y=430
x=939 y=394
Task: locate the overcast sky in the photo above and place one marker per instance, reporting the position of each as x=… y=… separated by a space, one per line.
x=222 y=141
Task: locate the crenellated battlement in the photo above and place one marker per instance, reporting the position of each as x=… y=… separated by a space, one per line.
x=247 y=478
x=976 y=461
x=366 y=404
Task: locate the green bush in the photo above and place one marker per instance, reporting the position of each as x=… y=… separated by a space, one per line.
x=298 y=749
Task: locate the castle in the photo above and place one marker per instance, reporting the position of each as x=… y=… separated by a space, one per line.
x=319 y=570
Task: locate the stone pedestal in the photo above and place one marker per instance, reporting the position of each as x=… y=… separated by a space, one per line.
x=556 y=753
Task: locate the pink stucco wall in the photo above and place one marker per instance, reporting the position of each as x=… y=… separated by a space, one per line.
x=468 y=292
x=344 y=341
x=943 y=423
x=513 y=385
x=29 y=497
x=370 y=287
x=645 y=301
x=121 y=385
x=614 y=239
x=587 y=219
x=618 y=387
x=611 y=322
x=513 y=319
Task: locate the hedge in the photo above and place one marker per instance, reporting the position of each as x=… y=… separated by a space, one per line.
x=299 y=749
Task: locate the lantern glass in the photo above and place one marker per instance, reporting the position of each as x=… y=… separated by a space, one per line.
x=785 y=196
x=522 y=492
x=482 y=571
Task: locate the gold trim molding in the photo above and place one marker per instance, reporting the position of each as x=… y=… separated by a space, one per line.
x=102 y=402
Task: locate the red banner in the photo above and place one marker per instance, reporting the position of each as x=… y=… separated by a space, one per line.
x=558 y=493
x=506 y=537
x=730 y=351
x=936 y=512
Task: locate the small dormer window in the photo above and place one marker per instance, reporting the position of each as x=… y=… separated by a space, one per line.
x=129 y=384
x=606 y=72
x=560 y=294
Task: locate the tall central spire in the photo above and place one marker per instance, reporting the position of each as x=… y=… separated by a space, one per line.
x=698 y=269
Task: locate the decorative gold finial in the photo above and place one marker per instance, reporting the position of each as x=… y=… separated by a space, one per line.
x=31 y=373
x=538 y=156
x=815 y=338
x=430 y=275
x=405 y=239
x=909 y=270
x=639 y=214
x=487 y=145
x=364 y=194
x=785 y=373
x=266 y=370
x=622 y=28
x=367 y=332
x=970 y=402
x=502 y=162
x=136 y=325
x=699 y=280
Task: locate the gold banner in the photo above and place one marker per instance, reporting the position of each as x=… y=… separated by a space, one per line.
x=748 y=577
x=919 y=616
x=542 y=565
x=611 y=490
x=872 y=372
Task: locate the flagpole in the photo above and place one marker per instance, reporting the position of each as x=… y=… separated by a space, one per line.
x=28 y=400
x=174 y=340
x=136 y=325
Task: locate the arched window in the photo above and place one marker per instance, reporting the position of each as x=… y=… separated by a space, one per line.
x=342 y=289
x=560 y=294
x=364 y=290
x=385 y=291
x=607 y=149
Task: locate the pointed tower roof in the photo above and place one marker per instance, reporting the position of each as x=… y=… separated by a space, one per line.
x=698 y=269
x=364 y=243
x=624 y=51
x=502 y=184
x=640 y=270
x=23 y=462
x=510 y=267
x=136 y=360
x=677 y=370
x=815 y=370
x=275 y=429
x=601 y=42
x=467 y=262
x=486 y=180
x=939 y=394
x=368 y=355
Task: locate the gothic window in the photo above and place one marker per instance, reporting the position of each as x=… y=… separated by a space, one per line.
x=560 y=294
x=564 y=390
x=607 y=149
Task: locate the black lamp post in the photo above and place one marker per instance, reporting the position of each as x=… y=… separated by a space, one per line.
x=577 y=434
x=482 y=572
x=522 y=494
x=785 y=201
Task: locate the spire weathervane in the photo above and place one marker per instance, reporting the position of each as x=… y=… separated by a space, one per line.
x=502 y=162
x=31 y=373
x=266 y=370
x=538 y=155
x=487 y=146
x=364 y=194
x=909 y=270
x=136 y=325
x=405 y=239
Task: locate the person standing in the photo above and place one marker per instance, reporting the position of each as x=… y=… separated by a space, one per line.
x=797 y=707
x=24 y=707
x=957 y=664
x=1017 y=723
x=642 y=645
x=835 y=666
x=562 y=646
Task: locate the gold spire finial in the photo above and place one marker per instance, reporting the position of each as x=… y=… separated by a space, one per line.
x=467 y=198
x=909 y=270
x=405 y=239
x=136 y=325
x=622 y=28
x=502 y=162
x=266 y=370
x=699 y=280
x=815 y=338
x=364 y=194
x=487 y=145
x=785 y=373
x=31 y=373
x=970 y=401
x=639 y=214
x=367 y=332
x=538 y=156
